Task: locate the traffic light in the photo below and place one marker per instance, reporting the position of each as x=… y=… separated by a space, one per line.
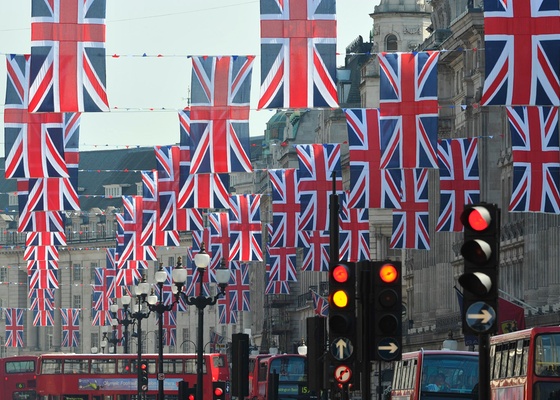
x=144 y=375
x=342 y=318
x=219 y=390
x=480 y=250
x=240 y=365
x=186 y=393
x=387 y=311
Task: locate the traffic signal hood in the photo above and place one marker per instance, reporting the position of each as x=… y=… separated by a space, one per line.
x=144 y=375
x=480 y=250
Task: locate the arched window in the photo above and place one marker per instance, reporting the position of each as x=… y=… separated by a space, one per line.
x=391 y=43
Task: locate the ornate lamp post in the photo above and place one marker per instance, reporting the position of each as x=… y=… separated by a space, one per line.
x=179 y=276
x=201 y=260
x=126 y=321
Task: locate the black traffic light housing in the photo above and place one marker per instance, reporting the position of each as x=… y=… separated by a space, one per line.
x=144 y=375
x=218 y=390
x=481 y=252
x=240 y=365
x=342 y=314
x=387 y=311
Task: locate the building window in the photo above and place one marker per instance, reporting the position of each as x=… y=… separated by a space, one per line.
x=94 y=340
x=92 y=268
x=113 y=190
x=77 y=272
x=12 y=199
x=391 y=43
x=3 y=274
x=77 y=301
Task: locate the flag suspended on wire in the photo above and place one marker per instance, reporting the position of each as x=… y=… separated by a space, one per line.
x=36 y=253
x=409 y=109
x=245 y=228
x=536 y=159
x=220 y=114
x=459 y=181
x=14 y=327
x=70 y=327
x=320 y=304
x=410 y=222
x=298 y=54
x=43 y=278
x=226 y=315
x=41 y=299
x=219 y=235
x=522 y=65
x=282 y=261
x=169 y=327
x=239 y=289
x=204 y=190
x=316 y=247
x=67 y=56
x=41 y=221
x=318 y=164
x=285 y=207
x=354 y=232
x=47 y=194
x=43 y=317
x=168 y=170
x=371 y=186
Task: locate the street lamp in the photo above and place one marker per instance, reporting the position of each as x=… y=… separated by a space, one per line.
x=103 y=343
x=201 y=260
x=179 y=276
x=126 y=321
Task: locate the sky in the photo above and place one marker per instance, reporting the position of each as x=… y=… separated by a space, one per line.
x=145 y=93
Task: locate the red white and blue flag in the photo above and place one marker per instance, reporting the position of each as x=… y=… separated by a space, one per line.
x=70 y=327
x=536 y=159
x=43 y=317
x=245 y=228
x=410 y=222
x=522 y=52
x=459 y=181
x=298 y=54
x=316 y=250
x=41 y=299
x=169 y=327
x=283 y=263
x=371 y=186
x=320 y=304
x=14 y=327
x=219 y=235
x=354 y=232
x=168 y=170
x=220 y=114
x=239 y=289
x=409 y=109
x=67 y=56
x=285 y=207
x=317 y=164
x=43 y=275
x=226 y=315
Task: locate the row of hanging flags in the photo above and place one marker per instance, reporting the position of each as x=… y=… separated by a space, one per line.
x=65 y=75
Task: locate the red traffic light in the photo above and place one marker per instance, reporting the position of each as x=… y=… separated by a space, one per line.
x=477 y=218
x=340 y=273
x=218 y=391
x=388 y=273
x=143 y=366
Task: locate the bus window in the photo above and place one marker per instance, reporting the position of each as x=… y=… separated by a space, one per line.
x=17 y=367
x=103 y=366
x=124 y=366
x=75 y=366
x=218 y=361
x=547 y=354
x=51 y=367
x=190 y=366
x=173 y=366
x=448 y=373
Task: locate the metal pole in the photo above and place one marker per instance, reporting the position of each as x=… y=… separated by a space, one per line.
x=484 y=367
x=200 y=339
x=160 y=344
x=125 y=335
x=139 y=331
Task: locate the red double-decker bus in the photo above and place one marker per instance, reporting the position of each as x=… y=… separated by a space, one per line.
x=435 y=374
x=115 y=377
x=285 y=374
x=525 y=365
x=18 y=378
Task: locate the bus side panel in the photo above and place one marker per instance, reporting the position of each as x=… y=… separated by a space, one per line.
x=510 y=389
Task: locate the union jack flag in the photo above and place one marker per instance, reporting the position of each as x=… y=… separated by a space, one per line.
x=169 y=328
x=204 y=191
x=45 y=239
x=282 y=261
x=285 y=207
x=67 y=56
x=522 y=65
x=536 y=159
x=277 y=287
x=70 y=327
x=410 y=223
x=215 y=339
x=459 y=182
x=226 y=315
x=354 y=232
x=371 y=186
x=168 y=170
x=317 y=165
x=43 y=317
x=220 y=114
x=35 y=253
x=41 y=221
x=245 y=228
x=239 y=289
x=48 y=194
x=14 y=327
x=100 y=300
x=131 y=274
x=43 y=278
x=192 y=285
x=219 y=235
x=41 y=265
x=298 y=54
x=316 y=247
x=320 y=304
x=408 y=109
x=41 y=299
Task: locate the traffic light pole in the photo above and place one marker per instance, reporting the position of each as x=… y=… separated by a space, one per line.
x=484 y=366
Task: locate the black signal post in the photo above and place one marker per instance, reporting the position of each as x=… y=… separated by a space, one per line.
x=387 y=310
